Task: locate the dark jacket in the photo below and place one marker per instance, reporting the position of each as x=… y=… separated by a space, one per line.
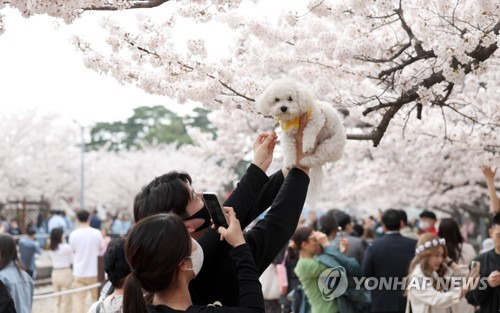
x=250 y=299
x=389 y=257
x=217 y=280
x=484 y=295
x=353 y=300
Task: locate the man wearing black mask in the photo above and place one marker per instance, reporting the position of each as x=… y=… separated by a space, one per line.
x=284 y=192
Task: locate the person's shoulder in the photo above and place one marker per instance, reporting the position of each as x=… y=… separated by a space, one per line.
x=160 y=309
x=417 y=271
x=64 y=247
x=305 y=263
x=75 y=234
x=467 y=246
x=354 y=240
x=96 y=232
x=491 y=254
x=26 y=279
x=483 y=256
x=93 y=307
x=410 y=241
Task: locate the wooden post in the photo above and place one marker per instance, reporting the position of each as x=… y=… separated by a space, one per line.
x=23 y=217
x=100 y=273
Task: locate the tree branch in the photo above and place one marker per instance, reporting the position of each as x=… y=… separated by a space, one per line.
x=397 y=54
x=137 y=4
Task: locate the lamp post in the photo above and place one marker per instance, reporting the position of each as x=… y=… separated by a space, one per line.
x=82 y=165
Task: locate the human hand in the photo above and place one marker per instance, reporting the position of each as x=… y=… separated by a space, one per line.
x=473 y=273
x=300 y=134
x=263 y=148
x=321 y=238
x=488 y=172
x=494 y=279
x=233 y=233
x=344 y=245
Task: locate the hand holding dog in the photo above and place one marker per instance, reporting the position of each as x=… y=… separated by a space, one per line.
x=300 y=134
x=263 y=148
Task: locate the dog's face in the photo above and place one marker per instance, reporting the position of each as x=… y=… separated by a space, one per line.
x=285 y=100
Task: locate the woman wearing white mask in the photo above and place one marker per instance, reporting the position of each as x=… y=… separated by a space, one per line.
x=164 y=259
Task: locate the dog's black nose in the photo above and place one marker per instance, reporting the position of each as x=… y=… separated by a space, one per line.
x=283 y=109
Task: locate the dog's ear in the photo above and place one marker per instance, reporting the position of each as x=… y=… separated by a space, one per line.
x=262 y=103
x=305 y=98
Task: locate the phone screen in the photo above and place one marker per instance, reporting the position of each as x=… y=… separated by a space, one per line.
x=215 y=209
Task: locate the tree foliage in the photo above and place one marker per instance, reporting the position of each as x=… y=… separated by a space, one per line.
x=417 y=79
x=148 y=125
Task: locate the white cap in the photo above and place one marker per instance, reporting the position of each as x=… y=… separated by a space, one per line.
x=488 y=245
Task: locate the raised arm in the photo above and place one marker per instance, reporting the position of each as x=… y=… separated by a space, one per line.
x=246 y=194
x=274 y=231
x=489 y=175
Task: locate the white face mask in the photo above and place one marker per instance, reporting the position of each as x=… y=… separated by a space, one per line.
x=424 y=225
x=196 y=257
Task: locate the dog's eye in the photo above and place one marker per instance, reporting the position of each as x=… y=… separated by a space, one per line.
x=290 y=99
x=277 y=99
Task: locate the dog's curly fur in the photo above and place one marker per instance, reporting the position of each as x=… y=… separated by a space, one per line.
x=286 y=100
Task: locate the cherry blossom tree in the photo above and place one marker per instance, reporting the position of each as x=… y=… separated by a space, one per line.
x=417 y=79
x=375 y=60
x=72 y=9
x=39 y=156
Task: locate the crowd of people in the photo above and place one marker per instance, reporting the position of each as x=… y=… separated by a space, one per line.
x=174 y=260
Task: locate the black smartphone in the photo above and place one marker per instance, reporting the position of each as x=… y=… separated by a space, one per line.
x=215 y=210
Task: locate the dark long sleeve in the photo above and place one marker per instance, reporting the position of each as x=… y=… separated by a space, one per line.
x=251 y=299
x=266 y=196
x=217 y=278
x=244 y=196
x=271 y=233
x=484 y=295
x=368 y=264
x=254 y=193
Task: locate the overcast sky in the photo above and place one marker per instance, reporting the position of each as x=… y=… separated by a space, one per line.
x=40 y=68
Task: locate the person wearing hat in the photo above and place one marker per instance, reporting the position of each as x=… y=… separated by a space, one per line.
x=427 y=222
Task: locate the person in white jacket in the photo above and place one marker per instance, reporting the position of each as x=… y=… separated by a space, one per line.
x=425 y=288
x=460 y=252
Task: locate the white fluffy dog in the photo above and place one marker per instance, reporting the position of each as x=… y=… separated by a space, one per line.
x=286 y=100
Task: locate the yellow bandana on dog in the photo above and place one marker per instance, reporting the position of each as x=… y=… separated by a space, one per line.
x=293 y=123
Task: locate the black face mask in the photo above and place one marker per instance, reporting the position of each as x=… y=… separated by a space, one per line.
x=203 y=214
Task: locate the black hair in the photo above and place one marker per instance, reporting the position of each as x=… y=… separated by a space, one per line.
x=301 y=235
x=30 y=232
x=403 y=216
x=328 y=223
x=115 y=263
x=448 y=229
x=83 y=216
x=495 y=220
x=8 y=251
x=391 y=219
x=155 y=247
x=358 y=229
x=56 y=238
x=428 y=214
x=342 y=218
x=167 y=193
